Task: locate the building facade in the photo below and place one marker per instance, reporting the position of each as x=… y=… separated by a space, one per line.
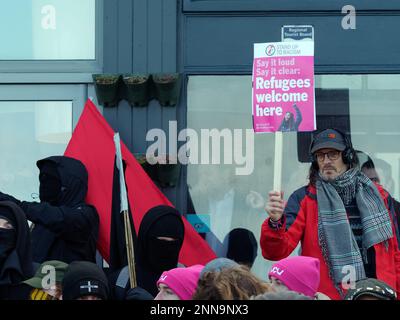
x=52 y=48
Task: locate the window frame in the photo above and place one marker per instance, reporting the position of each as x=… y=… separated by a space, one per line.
x=68 y=66
x=76 y=93
x=287 y=5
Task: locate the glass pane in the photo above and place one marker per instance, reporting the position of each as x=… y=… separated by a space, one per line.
x=232 y=201
x=47 y=30
x=374 y=121
x=367 y=104
x=29 y=131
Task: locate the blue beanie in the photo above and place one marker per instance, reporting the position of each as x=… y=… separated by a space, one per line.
x=217 y=265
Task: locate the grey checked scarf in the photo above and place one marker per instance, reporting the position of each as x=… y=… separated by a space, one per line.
x=336 y=238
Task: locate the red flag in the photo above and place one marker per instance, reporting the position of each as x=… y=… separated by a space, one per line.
x=92 y=143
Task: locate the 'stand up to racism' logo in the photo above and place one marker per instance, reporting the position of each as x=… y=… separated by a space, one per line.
x=270 y=50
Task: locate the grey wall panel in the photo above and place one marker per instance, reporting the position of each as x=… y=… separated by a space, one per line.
x=226 y=42
x=110 y=38
x=169 y=35
x=287 y=5
x=154 y=56
x=124 y=122
x=125 y=36
x=110 y=41
x=139 y=129
x=124 y=65
x=162 y=58
x=140 y=64
x=154 y=118
x=154 y=44
x=140 y=37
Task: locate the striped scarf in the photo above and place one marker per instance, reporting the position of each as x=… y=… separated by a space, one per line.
x=37 y=294
x=335 y=236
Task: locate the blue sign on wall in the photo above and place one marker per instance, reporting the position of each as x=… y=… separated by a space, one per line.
x=291 y=33
x=201 y=222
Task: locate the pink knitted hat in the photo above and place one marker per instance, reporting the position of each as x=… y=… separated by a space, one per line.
x=300 y=274
x=183 y=281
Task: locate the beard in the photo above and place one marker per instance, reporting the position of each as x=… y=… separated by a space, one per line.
x=329 y=173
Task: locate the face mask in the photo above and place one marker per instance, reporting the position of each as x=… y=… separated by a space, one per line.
x=8 y=239
x=163 y=255
x=50 y=185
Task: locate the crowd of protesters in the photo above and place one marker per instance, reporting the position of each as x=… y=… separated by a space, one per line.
x=346 y=224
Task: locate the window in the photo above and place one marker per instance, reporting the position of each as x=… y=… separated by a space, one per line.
x=30 y=130
x=287 y=5
x=367 y=104
x=47 y=30
x=51 y=36
x=36 y=121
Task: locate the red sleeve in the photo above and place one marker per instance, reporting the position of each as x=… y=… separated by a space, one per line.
x=397 y=266
x=396 y=253
x=278 y=244
x=388 y=200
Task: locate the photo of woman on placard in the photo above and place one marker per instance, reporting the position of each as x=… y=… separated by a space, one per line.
x=290 y=122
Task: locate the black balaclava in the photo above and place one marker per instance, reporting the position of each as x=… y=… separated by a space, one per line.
x=153 y=256
x=8 y=237
x=163 y=254
x=72 y=177
x=159 y=255
x=50 y=184
x=17 y=265
x=7 y=242
x=241 y=246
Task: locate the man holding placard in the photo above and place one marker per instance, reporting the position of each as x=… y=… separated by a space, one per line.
x=341 y=218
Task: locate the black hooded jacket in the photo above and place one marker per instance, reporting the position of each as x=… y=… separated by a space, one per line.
x=152 y=256
x=66 y=230
x=17 y=266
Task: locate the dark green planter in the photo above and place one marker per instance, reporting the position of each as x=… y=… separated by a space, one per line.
x=107 y=89
x=168 y=174
x=167 y=87
x=137 y=88
x=150 y=169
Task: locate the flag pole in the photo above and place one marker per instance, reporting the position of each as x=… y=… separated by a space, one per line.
x=124 y=209
x=129 y=250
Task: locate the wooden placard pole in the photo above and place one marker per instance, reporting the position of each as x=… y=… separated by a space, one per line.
x=278 y=161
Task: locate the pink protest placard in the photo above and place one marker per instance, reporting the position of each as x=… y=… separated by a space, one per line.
x=283 y=87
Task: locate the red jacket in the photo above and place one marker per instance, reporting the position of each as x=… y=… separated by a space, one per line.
x=301 y=224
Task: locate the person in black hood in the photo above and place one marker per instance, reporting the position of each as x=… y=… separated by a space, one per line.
x=65 y=227
x=159 y=242
x=157 y=248
x=241 y=246
x=15 y=252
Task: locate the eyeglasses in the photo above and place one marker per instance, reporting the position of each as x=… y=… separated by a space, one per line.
x=332 y=155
